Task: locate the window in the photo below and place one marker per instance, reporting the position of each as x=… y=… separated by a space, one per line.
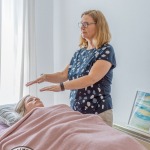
x=15 y=42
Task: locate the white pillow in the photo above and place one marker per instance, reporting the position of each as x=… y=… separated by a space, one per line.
x=8 y=115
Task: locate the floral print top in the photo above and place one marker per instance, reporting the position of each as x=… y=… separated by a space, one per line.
x=96 y=98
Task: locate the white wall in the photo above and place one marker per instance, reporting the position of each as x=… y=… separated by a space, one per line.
x=129 y=21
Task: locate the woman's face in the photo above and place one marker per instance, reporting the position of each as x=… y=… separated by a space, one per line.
x=32 y=102
x=88 y=32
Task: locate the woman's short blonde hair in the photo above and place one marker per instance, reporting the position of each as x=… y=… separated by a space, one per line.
x=103 y=34
x=20 y=107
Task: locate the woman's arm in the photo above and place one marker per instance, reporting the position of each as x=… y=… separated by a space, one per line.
x=97 y=72
x=58 y=76
x=54 y=78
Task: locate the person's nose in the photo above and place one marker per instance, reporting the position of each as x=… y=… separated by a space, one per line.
x=35 y=99
x=82 y=27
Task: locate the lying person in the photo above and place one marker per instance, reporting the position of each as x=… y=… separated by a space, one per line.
x=27 y=103
x=11 y=113
x=58 y=127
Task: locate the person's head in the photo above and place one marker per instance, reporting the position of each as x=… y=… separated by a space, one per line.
x=27 y=103
x=94 y=27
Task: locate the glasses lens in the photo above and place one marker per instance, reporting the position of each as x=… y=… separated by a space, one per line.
x=83 y=24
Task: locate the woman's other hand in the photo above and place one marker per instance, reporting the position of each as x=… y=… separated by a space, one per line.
x=54 y=88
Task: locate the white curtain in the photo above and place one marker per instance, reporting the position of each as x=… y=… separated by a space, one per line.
x=17 y=52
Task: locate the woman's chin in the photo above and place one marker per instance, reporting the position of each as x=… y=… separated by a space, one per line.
x=83 y=35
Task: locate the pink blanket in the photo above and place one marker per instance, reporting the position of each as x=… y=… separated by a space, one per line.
x=60 y=128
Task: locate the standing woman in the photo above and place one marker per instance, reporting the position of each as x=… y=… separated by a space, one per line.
x=90 y=72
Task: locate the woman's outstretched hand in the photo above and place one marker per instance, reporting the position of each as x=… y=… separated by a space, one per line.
x=54 y=88
x=38 y=80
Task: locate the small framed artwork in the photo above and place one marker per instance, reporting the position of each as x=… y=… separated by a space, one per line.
x=140 y=114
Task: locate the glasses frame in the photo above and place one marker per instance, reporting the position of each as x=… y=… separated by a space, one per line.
x=85 y=24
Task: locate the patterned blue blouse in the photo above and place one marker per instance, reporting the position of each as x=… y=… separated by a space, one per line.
x=96 y=98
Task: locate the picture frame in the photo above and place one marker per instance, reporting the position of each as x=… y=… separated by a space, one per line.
x=140 y=115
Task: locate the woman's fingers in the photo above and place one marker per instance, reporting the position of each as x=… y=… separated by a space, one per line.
x=45 y=89
x=54 y=88
x=39 y=80
x=30 y=83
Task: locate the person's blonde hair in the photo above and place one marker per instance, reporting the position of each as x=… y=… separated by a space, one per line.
x=103 y=34
x=20 y=107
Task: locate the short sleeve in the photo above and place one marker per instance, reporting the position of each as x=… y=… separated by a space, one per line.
x=107 y=53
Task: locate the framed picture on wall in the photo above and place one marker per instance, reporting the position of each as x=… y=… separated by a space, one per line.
x=140 y=114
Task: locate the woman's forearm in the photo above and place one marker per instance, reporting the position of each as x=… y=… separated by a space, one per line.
x=79 y=83
x=56 y=77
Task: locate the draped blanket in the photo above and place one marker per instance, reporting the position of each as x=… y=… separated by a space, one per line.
x=60 y=128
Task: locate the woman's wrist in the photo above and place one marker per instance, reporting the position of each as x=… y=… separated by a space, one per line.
x=62 y=86
x=44 y=76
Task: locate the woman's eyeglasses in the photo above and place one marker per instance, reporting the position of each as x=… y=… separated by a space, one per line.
x=85 y=24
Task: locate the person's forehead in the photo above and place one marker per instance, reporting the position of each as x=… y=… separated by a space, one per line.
x=28 y=97
x=86 y=18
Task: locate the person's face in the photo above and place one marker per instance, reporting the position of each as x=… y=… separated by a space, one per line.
x=88 y=32
x=32 y=102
